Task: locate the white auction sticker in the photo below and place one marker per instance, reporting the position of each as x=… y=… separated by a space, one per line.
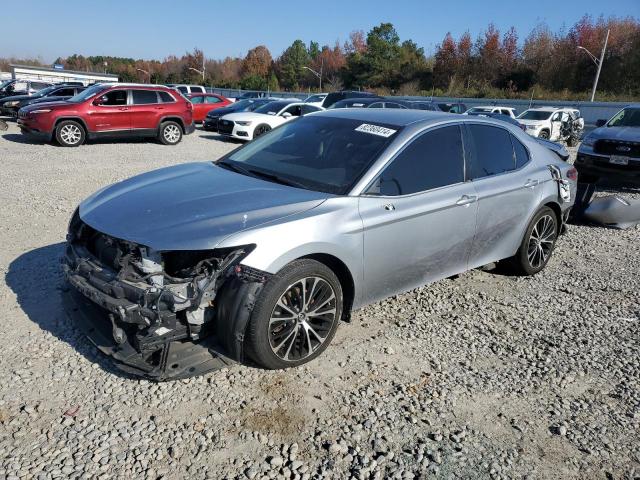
x=376 y=130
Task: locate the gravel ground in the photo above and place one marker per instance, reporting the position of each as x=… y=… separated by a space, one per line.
x=481 y=376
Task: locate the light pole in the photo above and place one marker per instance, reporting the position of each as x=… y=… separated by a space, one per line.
x=319 y=75
x=201 y=72
x=144 y=71
x=598 y=63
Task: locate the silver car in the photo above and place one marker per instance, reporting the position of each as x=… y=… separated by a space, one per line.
x=257 y=257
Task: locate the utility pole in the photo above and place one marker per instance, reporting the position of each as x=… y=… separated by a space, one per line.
x=598 y=63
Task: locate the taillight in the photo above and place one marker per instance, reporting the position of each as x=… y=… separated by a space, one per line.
x=572 y=174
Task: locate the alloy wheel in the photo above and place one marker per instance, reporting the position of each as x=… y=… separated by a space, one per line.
x=171 y=133
x=302 y=319
x=70 y=134
x=541 y=241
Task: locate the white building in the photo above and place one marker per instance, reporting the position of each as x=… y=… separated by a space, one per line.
x=55 y=75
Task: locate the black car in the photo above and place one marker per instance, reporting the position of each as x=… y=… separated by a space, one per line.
x=371 y=102
x=423 y=105
x=249 y=95
x=612 y=150
x=337 y=96
x=21 y=87
x=210 y=123
x=55 y=93
x=452 y=107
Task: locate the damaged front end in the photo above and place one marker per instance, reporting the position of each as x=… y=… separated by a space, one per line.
x=162 y=315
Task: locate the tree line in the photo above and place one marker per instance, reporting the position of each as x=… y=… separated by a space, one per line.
x=544 y=64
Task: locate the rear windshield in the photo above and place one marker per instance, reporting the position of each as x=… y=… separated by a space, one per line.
x=628 y=117
x=316 y=153
x=535 y=115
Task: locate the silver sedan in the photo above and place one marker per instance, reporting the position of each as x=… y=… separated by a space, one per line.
x=256 y=257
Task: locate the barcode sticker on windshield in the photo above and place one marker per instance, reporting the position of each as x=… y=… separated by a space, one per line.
x=375 y=130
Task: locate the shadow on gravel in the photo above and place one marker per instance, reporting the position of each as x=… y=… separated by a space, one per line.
x=36 y=279
x=24 y=139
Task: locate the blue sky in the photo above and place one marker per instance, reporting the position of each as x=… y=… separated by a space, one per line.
x=155 y=29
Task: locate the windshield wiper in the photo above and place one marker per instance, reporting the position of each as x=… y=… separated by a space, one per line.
x=234 y=168
x=276 y=178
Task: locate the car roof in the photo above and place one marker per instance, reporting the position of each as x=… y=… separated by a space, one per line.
x=389 y=116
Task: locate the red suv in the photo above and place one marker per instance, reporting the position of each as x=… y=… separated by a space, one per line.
x=111 y=110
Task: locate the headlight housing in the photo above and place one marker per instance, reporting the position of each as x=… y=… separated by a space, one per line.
x=11 y=104
x=244 y=123
x=531 y=127
x=41 y=110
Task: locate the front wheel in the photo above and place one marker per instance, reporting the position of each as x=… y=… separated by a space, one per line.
x=261 y=130
x=296 y=315
x=70 y=133
x=170 y=133
x=544 y=135
x=538 y=243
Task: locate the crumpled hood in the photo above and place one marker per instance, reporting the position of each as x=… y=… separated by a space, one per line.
x=624 y=134
x=191 y=206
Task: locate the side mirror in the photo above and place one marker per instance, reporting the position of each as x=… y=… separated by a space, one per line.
x=100 y=100
x=601 y=123
x=286 y=115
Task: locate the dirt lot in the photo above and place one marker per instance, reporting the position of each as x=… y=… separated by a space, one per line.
x=482 y=376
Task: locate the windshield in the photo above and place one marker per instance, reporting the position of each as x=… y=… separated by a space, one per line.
x=88 y=93
x=272 y=108
x=316 y=153
x=45 y=91
x=4 y=84
x=535 y=115
x=627 y=117
x=315 y=98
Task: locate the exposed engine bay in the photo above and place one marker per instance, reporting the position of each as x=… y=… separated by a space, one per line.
x=160 y=307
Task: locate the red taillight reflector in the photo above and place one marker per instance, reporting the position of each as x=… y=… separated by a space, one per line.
x=572 y=174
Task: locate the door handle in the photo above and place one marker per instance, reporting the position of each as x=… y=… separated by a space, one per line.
x=389 y=206
x=123 y=109
x=467 y=200
x=531 y=183
x=159 y=108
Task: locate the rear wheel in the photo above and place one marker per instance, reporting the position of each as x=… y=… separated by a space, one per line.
x=296 y=315
x=70 y=133
x=170 y=133
x=538 y=243
x=261 y=130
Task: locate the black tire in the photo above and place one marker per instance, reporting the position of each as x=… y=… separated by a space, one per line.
x=286 y=340
x=529 y=260
x=170 y=133
x=572 y=141
x=544 y=134
x=261 y=130
x=70 y=133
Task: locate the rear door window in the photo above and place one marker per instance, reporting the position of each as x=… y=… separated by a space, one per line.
x=183 y=90
x=212 y=99
x=165 y=97
x=144 y=97
x=434 y=159
x=492 y=151
x=196 y=100
x=521 y=152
